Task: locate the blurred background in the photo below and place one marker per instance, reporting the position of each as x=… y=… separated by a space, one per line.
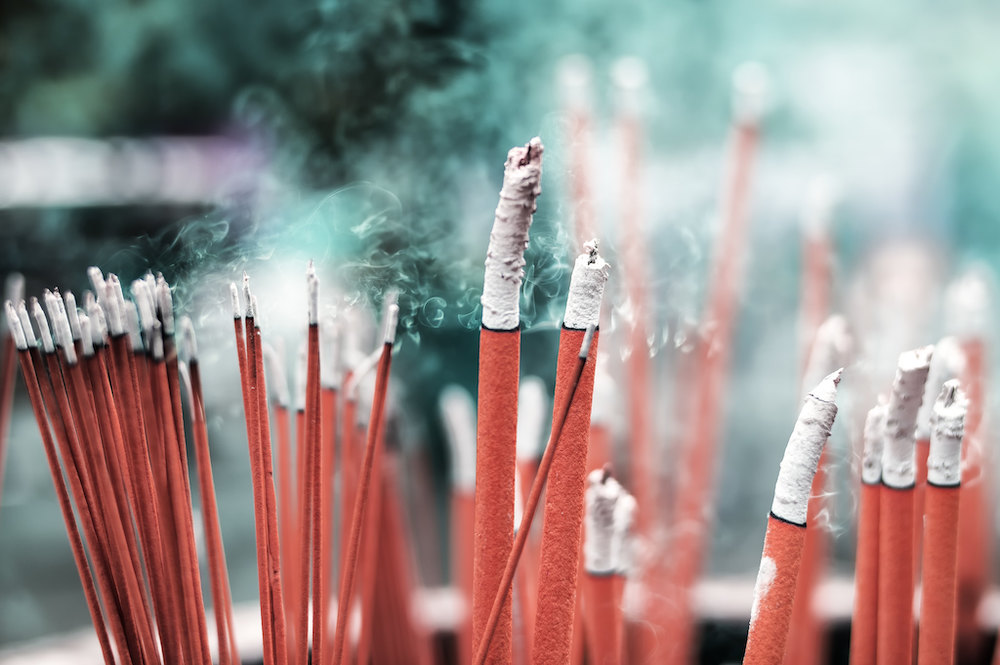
x=201 y=139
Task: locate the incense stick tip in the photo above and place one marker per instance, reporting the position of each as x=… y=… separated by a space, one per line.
x=14 y=286
x=188 y=340
x=86 y=336
x=751 y=93
x=586 y=288
x=14 y=324
x=312 y=286
x=944 y=457
x=805 y=445
x=458 y=414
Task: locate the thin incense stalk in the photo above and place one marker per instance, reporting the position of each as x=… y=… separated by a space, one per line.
x=499 y=359
x=309 y=464
x=896 y=578
x=132 y=422
x=248 y=367
x=186 y=524
x=559 y=559
x=864 y=622
x=968 y=312
x=329 y=416
x=947 y=364
x=786 y=525
x=630 y=77
x=575 y=83
x=371 y=548
x=76 y=543
x=206 y=485
x=531 y=505
x=694 y=493
x=281 y=641
x=939 y=596
x=350 y=563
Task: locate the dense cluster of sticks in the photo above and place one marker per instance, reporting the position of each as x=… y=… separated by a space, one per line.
x=105 y=383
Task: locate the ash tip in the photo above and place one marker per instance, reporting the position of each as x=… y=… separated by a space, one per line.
x=16 y=330
x=234 y=297
x=916 y=359
x=390 y=317
x=14 y=286
x=827 y=388
x=590 y=248
x=189 y=343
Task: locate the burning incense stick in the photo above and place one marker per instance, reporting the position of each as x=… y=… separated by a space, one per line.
x=499 y=366
x=938 y=603
x=609 y=509
x=831 y=348
x=694 y=494
x=864 y=633
x=531 y=504
x=786 y=526
x=350 y=563
x=221 y=596
x=895 y=576
x=561 y=530
x=948 y=363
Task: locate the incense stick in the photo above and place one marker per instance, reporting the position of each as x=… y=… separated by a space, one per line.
x=786 y=525
x=531 y=505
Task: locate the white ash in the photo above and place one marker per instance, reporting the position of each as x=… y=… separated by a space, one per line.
x=234 y=296
x=600 y=500
x=14 y=287
x=751 y=93
x=390 y=319
x=967 y=303
x=458 y=414
x=948 y=363
x=586 y=289
x=279 y=381
x=312 y=288
x=247 y=295
x=165 y=303
x=509 y=237
x=874 y=437
x=96 y=278
x=29 y=332
x=831 y=348
x=43 y=326
x=188 y=344
x=798 y=466
x=86 y=337
x=144 y=302
x=329 y=357
x=944 y=460
x=899 y=453
x=624 y=537
x=131 y=316
x=113 y=312
x=98 y=323
x=630 y=76
x=532 y=417
x=156 y=345
x=575 y=75
x=60 y=326
x=16 y=329
x=818 y=206
x=69 y=305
